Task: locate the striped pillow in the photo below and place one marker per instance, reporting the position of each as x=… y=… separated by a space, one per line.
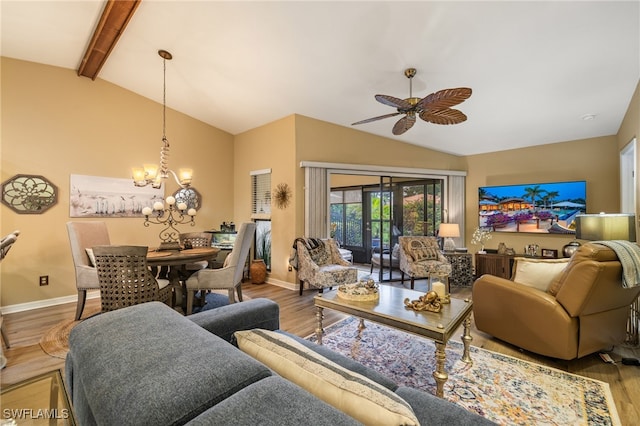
x=349 y=392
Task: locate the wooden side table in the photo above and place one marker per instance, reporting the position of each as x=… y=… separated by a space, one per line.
x=461 y=269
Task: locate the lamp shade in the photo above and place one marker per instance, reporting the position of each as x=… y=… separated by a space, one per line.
x=603 y=227
x=449 y=230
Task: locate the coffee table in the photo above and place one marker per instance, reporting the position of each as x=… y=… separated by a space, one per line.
x=390 y=310
x=36 y=400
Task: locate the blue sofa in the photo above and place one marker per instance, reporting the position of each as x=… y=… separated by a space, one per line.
x=149 y=365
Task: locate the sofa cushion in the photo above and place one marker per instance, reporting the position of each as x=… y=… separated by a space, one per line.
x=351 y=393
x=263 y=403
x=537 y=273
x=150 y=364
x=346 y=362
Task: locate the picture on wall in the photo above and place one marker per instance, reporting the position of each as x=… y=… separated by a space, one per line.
x=95 y=196
x=548 y=208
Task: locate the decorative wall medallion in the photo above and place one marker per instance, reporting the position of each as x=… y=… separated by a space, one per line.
x=282 y=195
x=29 y=194
x=189 y=196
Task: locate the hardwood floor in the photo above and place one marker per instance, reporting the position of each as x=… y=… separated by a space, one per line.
x=26 y=359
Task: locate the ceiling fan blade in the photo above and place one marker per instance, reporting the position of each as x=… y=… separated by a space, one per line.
x=445 y=98
x=394 y=102
x=443 y=116
x=369 y=120
x=404 y=124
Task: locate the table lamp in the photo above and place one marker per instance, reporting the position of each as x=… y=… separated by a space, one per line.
x=606 y=226
x=449 y=231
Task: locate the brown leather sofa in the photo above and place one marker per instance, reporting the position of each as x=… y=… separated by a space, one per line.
x=584 y=310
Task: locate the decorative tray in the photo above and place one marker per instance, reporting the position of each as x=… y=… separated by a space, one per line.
x=362 y=291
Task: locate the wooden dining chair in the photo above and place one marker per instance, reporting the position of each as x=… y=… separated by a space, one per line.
x=125 y=278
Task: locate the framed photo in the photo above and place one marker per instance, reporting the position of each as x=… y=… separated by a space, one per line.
x=550 y=253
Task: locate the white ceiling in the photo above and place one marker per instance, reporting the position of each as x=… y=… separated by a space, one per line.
x=535 y=67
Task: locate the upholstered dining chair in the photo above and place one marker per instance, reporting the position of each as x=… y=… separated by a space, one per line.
x=83 y=236
x=125 y=278
x=420 y=256
x=229 y=277
x=195 y=239
x=5 y=245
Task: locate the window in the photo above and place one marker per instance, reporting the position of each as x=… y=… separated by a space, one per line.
x=261 y=194
x=346 y=217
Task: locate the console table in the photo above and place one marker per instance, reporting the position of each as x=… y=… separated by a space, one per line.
x=496 y=264
x=461 y=268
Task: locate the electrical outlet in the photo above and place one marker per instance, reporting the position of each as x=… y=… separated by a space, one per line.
x=290 y=268
x=44 y=280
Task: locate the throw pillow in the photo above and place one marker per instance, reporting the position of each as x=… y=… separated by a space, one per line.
x=349 y=392
x=537 y=273
x=92 y=258
x=421 y=251
x=319 y=254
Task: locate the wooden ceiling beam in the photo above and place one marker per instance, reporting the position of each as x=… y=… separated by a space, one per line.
x=114 y=20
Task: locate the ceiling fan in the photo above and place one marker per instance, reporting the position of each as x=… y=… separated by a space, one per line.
x=434 y=108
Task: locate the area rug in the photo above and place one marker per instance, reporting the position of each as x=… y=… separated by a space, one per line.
x=501 y=388
x=55 y=341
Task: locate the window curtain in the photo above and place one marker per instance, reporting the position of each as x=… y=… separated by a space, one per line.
x=455 y=205
x=316 y=204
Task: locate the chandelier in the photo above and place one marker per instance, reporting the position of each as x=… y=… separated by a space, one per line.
x=151 y=174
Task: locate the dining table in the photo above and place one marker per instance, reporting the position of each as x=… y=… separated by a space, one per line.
x=175 y=261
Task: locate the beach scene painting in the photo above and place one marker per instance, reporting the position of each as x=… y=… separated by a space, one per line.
x=95 y=196
x=549 y=208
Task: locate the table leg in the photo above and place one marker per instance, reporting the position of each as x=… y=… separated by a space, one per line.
x=319 y=329
x=466 y=341
x=440 y=374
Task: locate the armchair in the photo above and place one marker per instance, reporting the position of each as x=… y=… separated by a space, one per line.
x=83 y=236
x=386 y=258
x=228 y=277
x=584 y=309
x=420 y=257
x=323 y=266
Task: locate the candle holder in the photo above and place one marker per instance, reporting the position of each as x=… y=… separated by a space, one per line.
x=174 y=215
x=439 y=282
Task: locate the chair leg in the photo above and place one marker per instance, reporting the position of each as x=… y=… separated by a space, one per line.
x=402 y=277
x=301 y=285
x=232 y=295
x=5 y=338
x=82 y=298
x=371 y=271
x=190 y=295
x=412 y=283
x=239 y=291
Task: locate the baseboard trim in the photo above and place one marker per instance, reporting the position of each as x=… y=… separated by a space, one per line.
x=28 y=306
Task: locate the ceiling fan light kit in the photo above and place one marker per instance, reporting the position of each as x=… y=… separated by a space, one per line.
x=434 y=108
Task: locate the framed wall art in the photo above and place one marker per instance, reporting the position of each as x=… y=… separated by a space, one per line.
x=95 y=196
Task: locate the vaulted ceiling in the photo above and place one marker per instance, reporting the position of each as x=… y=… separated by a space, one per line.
x=536 y=68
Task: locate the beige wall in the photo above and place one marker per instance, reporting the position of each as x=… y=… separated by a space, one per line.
x=271 y=146
x=55 y=124
x=594 y=160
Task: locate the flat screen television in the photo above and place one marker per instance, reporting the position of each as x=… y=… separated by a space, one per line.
x=548 y=208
